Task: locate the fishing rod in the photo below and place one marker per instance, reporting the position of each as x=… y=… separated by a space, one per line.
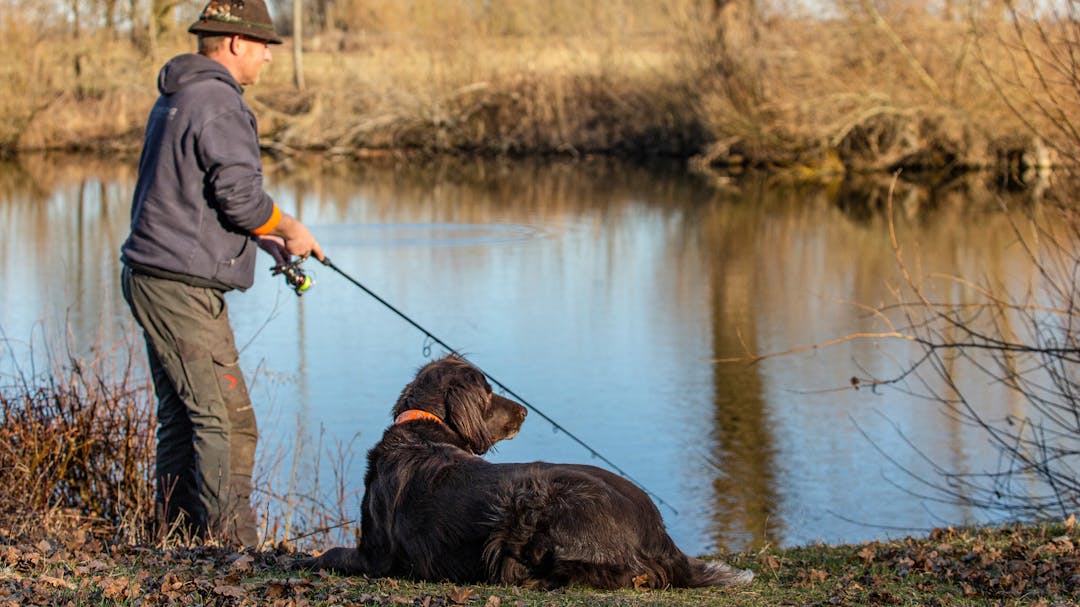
x=300 y=283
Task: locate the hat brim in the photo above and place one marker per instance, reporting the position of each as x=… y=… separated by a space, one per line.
x=206 y=26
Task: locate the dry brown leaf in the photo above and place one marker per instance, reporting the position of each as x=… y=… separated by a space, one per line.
x=1064 y=544
x=97 y=565
x=114 y=587
x=243 y=564
x=235 y=592
x=868 y=553
x=276 y=591
x=171 y=582
x=811 y=577
x=56 y=582
x=460 y=596
x=10 y=555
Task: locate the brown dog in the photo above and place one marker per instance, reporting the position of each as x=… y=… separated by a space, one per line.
x=434 y=510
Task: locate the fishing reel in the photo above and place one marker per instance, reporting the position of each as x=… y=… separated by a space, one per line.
x=294 y=276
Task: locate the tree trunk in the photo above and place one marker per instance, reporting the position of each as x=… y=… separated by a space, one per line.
x=151 y=31
x=110 y=17
x=75 y=18
x=329 y=23
x=298 y=44
x=161 y=13
x=133 y=16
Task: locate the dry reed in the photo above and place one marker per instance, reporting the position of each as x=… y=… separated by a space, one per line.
x=76 y=449
x=752 y=84
x=77 y=452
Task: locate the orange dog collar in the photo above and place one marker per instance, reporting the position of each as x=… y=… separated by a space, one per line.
x=415 y=414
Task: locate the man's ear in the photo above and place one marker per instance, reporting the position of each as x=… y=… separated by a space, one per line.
x=234 y=45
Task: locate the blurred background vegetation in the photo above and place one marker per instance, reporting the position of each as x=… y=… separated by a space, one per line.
x=818 y=86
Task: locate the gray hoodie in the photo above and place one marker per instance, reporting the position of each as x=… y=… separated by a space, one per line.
x=199 y=193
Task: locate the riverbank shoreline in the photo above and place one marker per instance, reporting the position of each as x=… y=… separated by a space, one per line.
x=1009 y=155
x=815 y=97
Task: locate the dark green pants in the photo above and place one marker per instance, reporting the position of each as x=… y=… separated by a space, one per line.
x=206 y=432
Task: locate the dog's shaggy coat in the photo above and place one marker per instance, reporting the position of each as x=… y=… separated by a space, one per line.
x=434 y=510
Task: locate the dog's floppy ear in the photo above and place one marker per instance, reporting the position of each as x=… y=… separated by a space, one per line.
x=404 y=400
x=466 y=401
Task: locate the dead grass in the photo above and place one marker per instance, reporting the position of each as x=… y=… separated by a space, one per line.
x=864 y=90
x=77 y=442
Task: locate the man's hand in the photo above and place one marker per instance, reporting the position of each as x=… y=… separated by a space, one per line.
x=275 y=246
x=297 y=238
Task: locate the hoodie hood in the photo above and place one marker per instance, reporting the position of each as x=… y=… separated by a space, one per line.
x=189 y=68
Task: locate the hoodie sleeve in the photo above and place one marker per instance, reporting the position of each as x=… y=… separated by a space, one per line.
x=229 y=148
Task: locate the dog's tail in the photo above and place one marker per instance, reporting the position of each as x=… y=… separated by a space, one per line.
x=717 y=573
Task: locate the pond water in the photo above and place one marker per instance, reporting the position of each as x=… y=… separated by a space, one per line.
x=604 y=294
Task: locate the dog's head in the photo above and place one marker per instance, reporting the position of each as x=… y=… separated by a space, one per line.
x=458 y=393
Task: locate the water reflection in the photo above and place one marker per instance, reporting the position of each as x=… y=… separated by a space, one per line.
x=603 y=293
x=62 y=221
x=743 y=450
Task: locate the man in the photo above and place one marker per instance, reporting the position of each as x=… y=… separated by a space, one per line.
x=198 y=212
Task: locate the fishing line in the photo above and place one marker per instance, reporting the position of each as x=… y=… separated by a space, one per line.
x=432 y=338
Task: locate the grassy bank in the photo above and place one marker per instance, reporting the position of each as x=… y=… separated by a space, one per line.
x=1021 y=565
x=861 y=90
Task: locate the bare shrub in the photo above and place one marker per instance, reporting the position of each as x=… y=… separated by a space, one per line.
x=1025 y=338
x=1029 y=56
x=77 y=447
x=78 y=444
x=298 y=506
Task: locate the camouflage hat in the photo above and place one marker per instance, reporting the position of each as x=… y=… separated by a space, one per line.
x=243 y=17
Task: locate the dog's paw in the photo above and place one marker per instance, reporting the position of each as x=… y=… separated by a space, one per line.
x=741 y=576
x=726 y=575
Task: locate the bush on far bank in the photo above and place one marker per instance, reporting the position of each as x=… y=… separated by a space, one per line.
x=859 y=91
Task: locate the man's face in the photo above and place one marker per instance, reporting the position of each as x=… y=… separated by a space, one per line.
x=252 y=54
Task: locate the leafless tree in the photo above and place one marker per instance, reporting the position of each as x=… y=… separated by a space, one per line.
x=1026 y=341
x=298 y=43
